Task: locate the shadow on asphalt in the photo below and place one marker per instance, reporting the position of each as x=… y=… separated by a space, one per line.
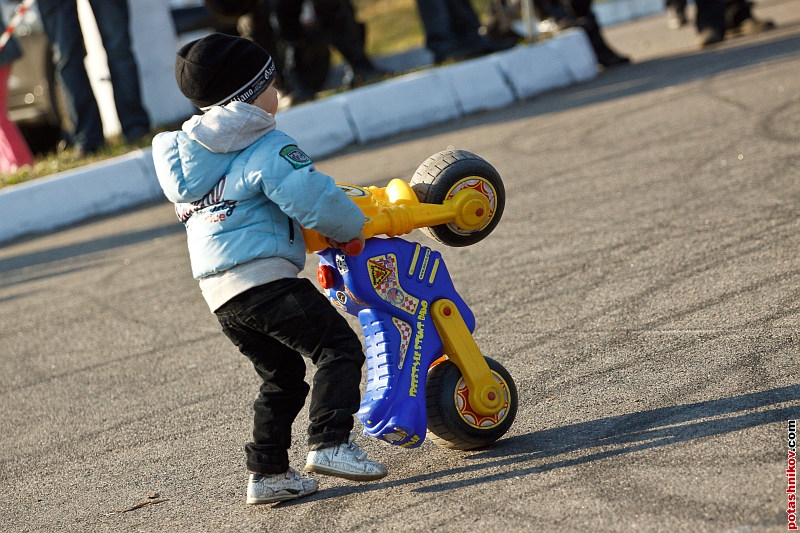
x=70 y=251
x=613 y=436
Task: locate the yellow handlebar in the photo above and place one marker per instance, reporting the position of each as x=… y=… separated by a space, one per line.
x=395 y=210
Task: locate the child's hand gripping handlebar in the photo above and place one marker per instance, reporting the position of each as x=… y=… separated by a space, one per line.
x=352 y=247
x=395 y=210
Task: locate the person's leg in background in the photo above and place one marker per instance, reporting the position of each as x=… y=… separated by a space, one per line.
x=293 y=44
x=584 y=17
x=113 y=21
x=257 y=26
x=676 y=14
x=61 y=24
x=710 y=21
x=464 y=21
x=739 y=18
x=439 y=36
x=452 y=31
x=718 y=18
x=339 y=25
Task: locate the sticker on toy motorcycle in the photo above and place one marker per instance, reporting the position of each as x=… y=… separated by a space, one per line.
x=426 y=256
x=398 y=435
x=353 y=297
x=377 y=272
x=412 y=441
x=405 y=339
x=333 y=298
x=383 y=276
x=424 y=266
x=353 y=192
x=344 y=297
x=341 y=264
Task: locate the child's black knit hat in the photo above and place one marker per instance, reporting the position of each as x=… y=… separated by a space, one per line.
x=219 y=69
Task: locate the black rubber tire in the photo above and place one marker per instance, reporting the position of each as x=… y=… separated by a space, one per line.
x=446 y=425
x=441 y=175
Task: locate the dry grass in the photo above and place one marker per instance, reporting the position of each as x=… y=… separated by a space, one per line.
x=392 y=25
x=64 y=160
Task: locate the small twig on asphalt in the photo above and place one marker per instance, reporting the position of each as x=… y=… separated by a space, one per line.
x=154 y=498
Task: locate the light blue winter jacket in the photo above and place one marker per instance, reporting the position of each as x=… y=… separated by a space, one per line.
x=243 y=188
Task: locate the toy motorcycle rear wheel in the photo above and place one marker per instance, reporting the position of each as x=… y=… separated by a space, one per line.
x=444 y=174
x=452 y=423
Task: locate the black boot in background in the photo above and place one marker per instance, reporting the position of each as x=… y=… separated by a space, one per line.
x=338 y=24
x=605 y=55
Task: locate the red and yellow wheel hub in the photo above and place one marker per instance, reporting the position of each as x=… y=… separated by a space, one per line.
x=482 y=186
x=470 y=416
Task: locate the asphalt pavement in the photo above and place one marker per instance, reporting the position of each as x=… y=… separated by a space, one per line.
x=643 y=289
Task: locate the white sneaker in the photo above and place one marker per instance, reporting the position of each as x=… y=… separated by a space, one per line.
x=345 y=460
x=279 y=487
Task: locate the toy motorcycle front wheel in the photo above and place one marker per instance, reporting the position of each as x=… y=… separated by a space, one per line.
x=452 y=422
x=444 y=174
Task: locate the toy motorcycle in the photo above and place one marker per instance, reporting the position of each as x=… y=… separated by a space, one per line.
x=424 y=369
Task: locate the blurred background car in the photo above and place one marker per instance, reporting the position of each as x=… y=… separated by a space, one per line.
x=32 y=91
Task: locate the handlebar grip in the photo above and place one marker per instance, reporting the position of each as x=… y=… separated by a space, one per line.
x=353 y=247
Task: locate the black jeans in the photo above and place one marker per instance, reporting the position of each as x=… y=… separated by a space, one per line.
x=275 y=326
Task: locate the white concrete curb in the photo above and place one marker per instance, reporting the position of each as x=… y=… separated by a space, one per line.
x=478 y=85
x=610 y=13
x=78 y=194
x=321 y=127
x=574 y=44
x=401 y=104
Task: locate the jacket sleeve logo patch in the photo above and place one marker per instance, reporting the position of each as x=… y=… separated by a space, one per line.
x=295 y=156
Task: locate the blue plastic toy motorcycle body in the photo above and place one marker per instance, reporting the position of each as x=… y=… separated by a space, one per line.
x=390 y=287
x=424 y=369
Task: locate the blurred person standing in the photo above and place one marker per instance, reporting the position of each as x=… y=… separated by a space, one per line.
x=62 y=26
x=676 y=14
x=579 y=13
x=555 y=16
x=453 y=31
x=334 y=23
x=14 y=151
x=717 y=19
x=297 y=34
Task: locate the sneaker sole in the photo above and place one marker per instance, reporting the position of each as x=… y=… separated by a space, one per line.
x=279 y=498
x=346 y=475
x=252 y=501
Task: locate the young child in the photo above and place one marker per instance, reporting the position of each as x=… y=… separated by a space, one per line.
x=243 y=189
